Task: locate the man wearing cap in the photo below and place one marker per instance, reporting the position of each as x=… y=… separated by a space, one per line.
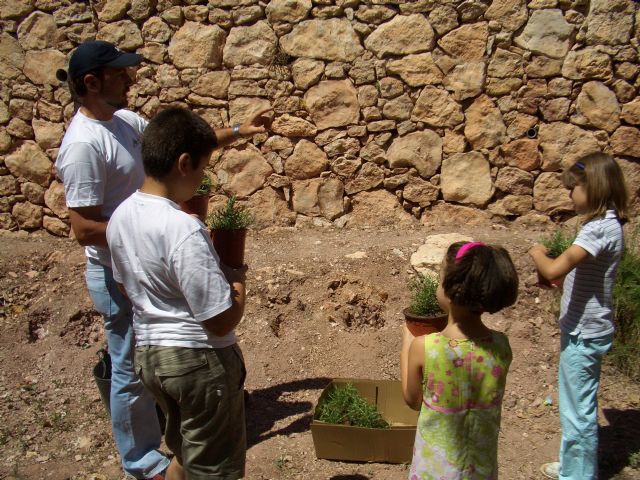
x=100 y=165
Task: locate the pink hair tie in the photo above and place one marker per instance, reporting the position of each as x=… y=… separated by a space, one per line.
x=465 y=248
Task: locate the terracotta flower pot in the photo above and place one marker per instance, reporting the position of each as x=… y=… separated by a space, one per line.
x=423 y=325
x=196 y=205
x=230 y=246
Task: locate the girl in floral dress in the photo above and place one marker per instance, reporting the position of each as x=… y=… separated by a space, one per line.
x=456 y=377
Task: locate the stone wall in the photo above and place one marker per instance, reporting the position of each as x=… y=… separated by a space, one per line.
x=404 y=108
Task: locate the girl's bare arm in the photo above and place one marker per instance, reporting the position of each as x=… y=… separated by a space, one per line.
x=554 y=268
x=412 y=383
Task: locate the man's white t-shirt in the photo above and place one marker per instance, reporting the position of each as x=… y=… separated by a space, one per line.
x=100 y=163
x=171 y=272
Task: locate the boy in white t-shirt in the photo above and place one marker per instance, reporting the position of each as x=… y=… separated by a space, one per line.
x=186 y=304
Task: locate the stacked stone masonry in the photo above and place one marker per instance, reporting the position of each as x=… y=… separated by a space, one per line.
x=396 y=107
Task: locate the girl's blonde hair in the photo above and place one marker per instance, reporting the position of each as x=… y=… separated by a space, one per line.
x=604 y=182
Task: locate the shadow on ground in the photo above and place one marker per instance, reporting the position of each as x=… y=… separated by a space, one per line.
x=618 y=441
x=265 y=407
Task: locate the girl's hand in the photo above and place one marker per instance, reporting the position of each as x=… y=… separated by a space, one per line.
x=537 y=249
x=257 y=123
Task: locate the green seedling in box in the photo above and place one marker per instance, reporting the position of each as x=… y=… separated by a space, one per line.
x=345 y=406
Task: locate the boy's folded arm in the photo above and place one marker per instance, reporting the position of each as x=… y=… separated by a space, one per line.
x=89 y=226
x=225 y=322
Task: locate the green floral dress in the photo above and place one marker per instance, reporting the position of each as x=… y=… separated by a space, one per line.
x=463 y=386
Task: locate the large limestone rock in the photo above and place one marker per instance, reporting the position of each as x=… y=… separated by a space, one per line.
x=213 y=84
x=250 y=45
x=197 y=46
x=505 y=64
x=269 y=208
x=609 y=22
x=437 y=108
x=292 y=11
x=416 y=70
x=515 y=181
x=510 y=205
x=306 y=72
x=33 y=66
x=155 y=30
x=333 y=103
x=510 y=14
x=599 y=106
x=124 y=33
x=369 y=177
x=54 y=199
x=333 y=39
x=549 y=194
x=318 y=197
x=586 y=64
x=631 y=112
x=15 y=8
x=290 y=126
x=420 y=191
x=378 y=208
x=307 y=161
x=448 y=214
x=466 y=80
x=404 y=34
x=399 y=108
x=547 y=32
x=30 y=163
x=484 y=127
x=421 y=150
x=468 y=42
x=631 y=171
x=427 y=259
x=55 y=226
x=522 y=153
x=626 y=141
x=466 y=178
x=38 y=31
x=562 y=144
x=48 y=135
x=113 y=10
x=11 y=57
x=242 y=172
x=242 y=108
x=27 y=215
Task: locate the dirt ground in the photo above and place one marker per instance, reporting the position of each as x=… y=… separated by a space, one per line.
x=313 y=313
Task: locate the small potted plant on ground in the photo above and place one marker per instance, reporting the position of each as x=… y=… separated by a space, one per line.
x=556 y=245
x=345 y=406
x=424 y=315
x=199 y=203
x=228 y=232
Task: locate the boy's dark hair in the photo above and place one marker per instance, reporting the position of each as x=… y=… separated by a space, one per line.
x=484 y=279
x=171 y=133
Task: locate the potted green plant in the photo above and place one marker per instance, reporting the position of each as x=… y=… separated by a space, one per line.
x=345 y=406
x=229 y=230
x=424 y=315
x=199 y=203
x=556 y=244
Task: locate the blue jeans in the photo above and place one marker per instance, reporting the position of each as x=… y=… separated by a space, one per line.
x=578 y=382
x=134 y=420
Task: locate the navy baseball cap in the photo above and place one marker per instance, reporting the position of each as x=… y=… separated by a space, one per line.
x=95 y=54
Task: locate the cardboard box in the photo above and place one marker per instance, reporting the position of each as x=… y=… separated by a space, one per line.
x=344 y=442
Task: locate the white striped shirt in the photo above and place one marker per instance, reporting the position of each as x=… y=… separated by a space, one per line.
x=586 y=305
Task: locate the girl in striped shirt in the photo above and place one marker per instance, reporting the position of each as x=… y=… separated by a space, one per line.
x=598 y=192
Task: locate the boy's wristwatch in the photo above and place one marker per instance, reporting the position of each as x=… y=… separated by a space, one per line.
x=236 y=130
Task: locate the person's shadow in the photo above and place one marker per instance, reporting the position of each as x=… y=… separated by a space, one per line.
x=617 y=441
x=265 y=407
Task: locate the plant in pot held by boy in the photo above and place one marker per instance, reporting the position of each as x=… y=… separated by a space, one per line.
x=199 y=203
x=229 y=230
x=424 y=315
x=555 y=245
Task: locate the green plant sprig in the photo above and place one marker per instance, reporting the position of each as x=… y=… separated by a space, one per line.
x=558 y=243
x=231 y=217
x=423 y=295
x=205 y=186
x=345 y=406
